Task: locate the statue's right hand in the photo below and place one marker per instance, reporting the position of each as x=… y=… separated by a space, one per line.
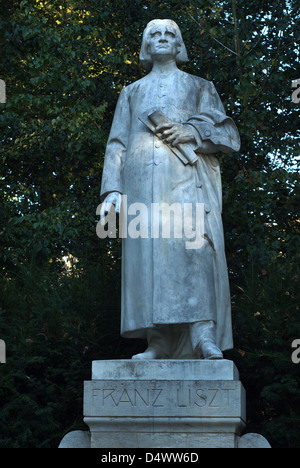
x=113 y=198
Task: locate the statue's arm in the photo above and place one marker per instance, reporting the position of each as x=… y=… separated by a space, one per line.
x=213 y=130
x=111 y=185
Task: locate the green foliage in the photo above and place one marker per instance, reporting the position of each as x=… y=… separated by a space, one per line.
x=64 y=63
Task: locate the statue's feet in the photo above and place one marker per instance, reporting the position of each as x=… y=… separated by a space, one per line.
x=150 y=353
x=211 y=351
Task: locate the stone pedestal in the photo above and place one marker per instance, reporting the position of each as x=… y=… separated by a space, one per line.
x=164 y=404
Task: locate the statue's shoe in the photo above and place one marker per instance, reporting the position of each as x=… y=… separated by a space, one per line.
x=150 y=353
x=211 y=351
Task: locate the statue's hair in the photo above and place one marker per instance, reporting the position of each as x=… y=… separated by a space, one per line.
x=145 y=57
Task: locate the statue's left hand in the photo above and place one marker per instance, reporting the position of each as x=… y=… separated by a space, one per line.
x=176 y=133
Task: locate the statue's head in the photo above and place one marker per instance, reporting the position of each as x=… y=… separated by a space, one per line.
x=162 y=26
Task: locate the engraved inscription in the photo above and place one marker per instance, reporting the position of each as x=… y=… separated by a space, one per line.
x=188 y=396
x=162 y=398
x=211 y=397
x=129 y=396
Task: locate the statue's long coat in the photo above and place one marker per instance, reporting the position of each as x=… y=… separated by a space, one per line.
x=163 y=282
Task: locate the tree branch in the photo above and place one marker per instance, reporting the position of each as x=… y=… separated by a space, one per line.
x=216 y=40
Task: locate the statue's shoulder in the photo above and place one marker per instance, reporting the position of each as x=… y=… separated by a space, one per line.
x=136 y=84
x=195 y=79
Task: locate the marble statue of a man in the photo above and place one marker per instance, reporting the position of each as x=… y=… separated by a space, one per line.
x=176 y=298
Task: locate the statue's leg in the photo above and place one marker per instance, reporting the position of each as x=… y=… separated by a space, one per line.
x=159 y=344
x=203 y=337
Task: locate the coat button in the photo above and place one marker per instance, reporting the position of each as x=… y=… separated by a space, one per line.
x=207 y=133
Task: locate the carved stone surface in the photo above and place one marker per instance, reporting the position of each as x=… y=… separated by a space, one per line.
x=183 y=369
x=76 y=439
x=186 y=404
x=252 y=440
x=161 y=150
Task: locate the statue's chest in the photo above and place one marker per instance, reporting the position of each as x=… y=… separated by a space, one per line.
x=176 y=99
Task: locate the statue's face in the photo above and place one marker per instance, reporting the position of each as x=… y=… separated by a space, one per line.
x=163 y=42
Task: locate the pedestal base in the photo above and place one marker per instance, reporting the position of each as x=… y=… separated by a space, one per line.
x=164 y=404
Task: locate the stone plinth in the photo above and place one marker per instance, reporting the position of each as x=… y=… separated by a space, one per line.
x=164 y=404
